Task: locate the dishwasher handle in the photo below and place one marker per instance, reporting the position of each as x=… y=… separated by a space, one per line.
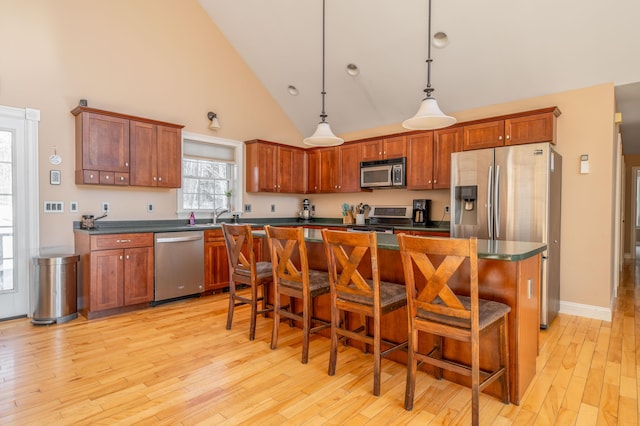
x=179 y=239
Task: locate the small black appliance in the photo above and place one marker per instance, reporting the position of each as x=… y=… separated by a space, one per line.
x=421 y=210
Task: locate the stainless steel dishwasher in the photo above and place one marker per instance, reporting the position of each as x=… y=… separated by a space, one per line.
x=179 y=264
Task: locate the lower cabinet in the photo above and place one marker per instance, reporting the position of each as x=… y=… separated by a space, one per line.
x=216 y=263
x=117 y=272
x=423 y=233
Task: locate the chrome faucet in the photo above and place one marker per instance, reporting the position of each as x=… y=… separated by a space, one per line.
x=217 y=213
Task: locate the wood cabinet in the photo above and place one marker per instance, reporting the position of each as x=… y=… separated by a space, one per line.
x=118 y=149
x=156 y=155
x=216 y=264
x=339 y=168
x=424 y=233
x=273 y=167
x=528 y=127
x=102 y=149
x=117 y=272
x=385 y=148
x=429 y=158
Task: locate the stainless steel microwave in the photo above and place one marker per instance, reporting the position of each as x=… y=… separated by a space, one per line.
x=383 y=173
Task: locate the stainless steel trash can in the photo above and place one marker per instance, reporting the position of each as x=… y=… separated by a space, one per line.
x=56 y=278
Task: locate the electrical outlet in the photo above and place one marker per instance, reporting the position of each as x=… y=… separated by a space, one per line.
x=247 y=208
x=54 y=207
x=446 y=209
x=73 y=206
x=149 y=208
x=105 y=207
x=273 y=208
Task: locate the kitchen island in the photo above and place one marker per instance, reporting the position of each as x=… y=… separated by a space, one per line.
x=509 y=272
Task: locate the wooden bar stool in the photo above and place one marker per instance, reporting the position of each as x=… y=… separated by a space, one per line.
x=287 y=248
x=351 y=292
x=243 y=269
x=433 y=308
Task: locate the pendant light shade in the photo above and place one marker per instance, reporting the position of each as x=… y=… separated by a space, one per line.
x=429 y=116
x=323 y=135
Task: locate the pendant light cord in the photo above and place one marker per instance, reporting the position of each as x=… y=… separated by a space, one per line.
x=429 y=89
x=323 y=115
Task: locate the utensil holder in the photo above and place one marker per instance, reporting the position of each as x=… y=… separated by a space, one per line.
x=360 y=219
x=348 y=218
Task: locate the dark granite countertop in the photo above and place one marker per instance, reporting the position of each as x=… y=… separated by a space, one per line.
x=133 y=226
x=487 y=249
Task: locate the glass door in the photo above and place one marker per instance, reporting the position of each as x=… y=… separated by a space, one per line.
x=18 y=199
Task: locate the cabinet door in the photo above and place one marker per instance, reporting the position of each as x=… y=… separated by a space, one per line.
x=484 y=135
x=329 y=169
x=395 y=147
x=144 y=157
x=261 y=167
x=420 y=161
x=530 y=129
x=105 y=143
x=107 y=274
x=350 y=168
x=138 y=275
x=291 y=170
x=216 y=273
x=445 y=142
x=313 y=172
x=372 y=150
x=169 y=156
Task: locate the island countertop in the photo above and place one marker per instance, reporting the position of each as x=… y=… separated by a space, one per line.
x=487 y=249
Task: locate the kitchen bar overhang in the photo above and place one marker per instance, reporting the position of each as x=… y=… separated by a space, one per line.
x=509 y=272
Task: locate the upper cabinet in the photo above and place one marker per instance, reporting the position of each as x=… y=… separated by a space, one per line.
x=156 y=154
x=382 y=149
x=526 y=127
x=272 y=167
x=117 y=149
x=335 y=169
x=429 y=158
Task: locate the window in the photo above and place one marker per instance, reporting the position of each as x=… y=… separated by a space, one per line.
x=211 y=171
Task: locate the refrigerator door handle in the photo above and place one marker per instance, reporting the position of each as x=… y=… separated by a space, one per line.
x=496 y=198
x=490 y=203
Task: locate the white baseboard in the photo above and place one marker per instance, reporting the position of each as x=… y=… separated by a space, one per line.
x=588 y=311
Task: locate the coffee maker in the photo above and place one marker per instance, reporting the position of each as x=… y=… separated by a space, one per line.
x=421 y=212
x=307 y=212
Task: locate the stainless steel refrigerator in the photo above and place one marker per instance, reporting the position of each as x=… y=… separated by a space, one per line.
x=512 y=193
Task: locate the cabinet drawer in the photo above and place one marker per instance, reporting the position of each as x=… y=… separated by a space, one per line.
x=114 y=241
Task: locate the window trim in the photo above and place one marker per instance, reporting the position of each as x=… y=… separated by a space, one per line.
x=238 y=188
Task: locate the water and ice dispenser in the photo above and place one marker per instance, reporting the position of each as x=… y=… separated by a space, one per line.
x=466 y=206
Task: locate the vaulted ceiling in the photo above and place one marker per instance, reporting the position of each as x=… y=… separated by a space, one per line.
x=498 y=51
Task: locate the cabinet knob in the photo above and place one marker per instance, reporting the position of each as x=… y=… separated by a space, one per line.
x=91 y=176
x=160 y=179
x=435 y=181
x=120 y=257
x=126 y=164
x=508 y=137
x=107 y=177
x=429 y=180
x=379 y=152
x=127 y=257
x=155 y=178
x=499 y=138
x=121 y=178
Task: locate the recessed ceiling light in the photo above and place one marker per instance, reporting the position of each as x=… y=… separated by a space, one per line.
x=353 y=70
x=440 y=39
x=293 y=90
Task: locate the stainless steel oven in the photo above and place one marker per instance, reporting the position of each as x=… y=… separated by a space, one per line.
x=382 y=219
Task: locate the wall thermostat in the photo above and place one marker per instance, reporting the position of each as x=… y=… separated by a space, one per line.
x=584 y=164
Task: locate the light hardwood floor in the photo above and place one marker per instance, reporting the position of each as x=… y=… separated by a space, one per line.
x=176 y=364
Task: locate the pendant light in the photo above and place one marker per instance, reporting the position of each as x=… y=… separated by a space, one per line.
x=323 y=135
x=429 y=116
